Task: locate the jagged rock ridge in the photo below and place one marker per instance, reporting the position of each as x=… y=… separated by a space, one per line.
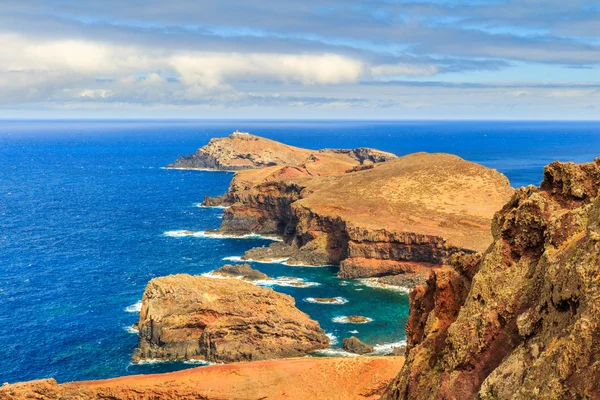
x=523 y=320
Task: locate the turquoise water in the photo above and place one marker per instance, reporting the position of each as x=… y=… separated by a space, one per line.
x=84 y=207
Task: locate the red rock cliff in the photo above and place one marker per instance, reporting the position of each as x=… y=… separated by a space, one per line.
x=420 y=208
x=524 y=322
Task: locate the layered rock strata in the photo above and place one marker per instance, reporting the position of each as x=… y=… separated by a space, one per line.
x=343 y=378
x=523 y=320
x=401 y=216
x=221 y=320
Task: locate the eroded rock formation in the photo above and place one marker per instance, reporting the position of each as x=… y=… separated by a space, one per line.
x=356 y=346
x=523 y=320
x=343 y=378
x=242 y=271
x=221 y=320
x=242 y=150
x=403 y=215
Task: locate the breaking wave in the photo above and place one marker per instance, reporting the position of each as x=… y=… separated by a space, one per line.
x=214 y=235
x=137 y=307
x=374 y=283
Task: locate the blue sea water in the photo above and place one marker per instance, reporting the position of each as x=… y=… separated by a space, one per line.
x=84 y=206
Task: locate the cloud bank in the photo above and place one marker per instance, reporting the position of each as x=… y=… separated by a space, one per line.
x=380 y=59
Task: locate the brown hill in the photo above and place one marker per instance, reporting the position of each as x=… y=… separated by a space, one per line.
x=345 y=378
x=374 y=221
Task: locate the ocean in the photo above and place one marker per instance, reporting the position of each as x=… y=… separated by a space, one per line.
x=86 y=211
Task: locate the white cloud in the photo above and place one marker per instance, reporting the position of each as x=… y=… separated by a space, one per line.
x=211 y=69
x=62 y=70
x=570 y=93
x=392 y=70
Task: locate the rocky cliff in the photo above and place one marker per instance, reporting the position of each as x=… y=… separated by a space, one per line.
x=522 y=321
x=221 y=320
x=346 y=378
x=395 y=217
x=242 y=150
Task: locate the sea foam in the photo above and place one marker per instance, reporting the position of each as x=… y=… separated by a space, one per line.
x=288 y=281
x=335 y=353
x=213 y=235
x=200 y=205
x=152 y=361
x=240 y=259
x=131 y=329
x=332 y=338
x=386 y=348
x=374 y=283
x=137 y=307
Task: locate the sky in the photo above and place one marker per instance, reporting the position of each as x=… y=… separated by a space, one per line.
x=339 y=59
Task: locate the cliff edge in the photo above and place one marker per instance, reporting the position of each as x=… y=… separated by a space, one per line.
x=521 y=321
x=404 y=215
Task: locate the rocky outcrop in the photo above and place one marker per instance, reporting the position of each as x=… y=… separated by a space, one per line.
x=401 y=216
x=523 y=320
x=354 y=345
x=243 y=271
x=240 y=151
x=406 y=280
x=221 y=320
x=315 y=378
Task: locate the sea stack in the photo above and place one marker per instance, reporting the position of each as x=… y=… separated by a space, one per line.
x=187 y=317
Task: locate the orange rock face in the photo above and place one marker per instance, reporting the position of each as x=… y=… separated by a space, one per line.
x=523 y=322
x=221 y=320
x=292 y=379
x=419 y=208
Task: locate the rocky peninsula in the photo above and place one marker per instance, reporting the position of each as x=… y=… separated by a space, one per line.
x=370 y=212
x=241 y=150
x=186 y=317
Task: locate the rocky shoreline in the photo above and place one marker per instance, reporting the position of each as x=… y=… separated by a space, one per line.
x=400 y=216
x=504 y=284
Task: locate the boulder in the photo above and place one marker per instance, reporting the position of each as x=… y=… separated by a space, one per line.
x=243 y=271
x=354 y=345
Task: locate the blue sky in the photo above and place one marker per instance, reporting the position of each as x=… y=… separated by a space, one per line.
x=419 y=59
